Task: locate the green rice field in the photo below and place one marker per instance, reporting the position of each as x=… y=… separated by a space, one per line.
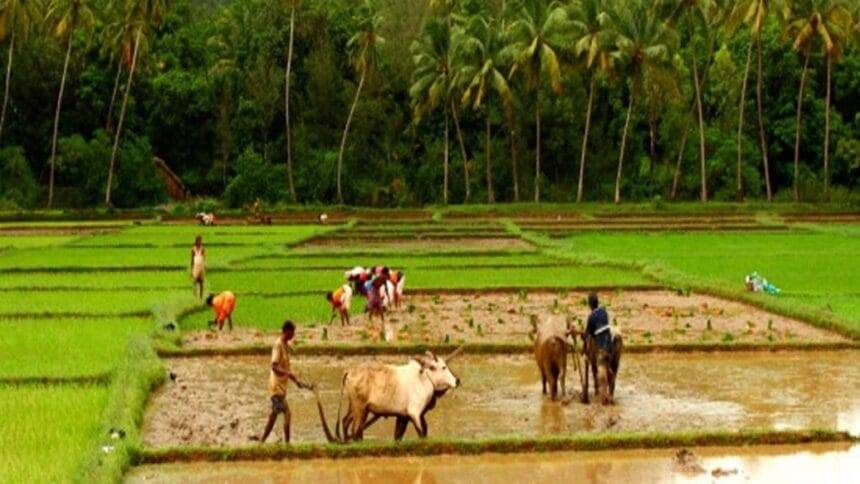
x=78 y=307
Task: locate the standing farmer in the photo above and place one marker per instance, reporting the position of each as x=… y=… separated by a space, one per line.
x=279 y=376
x=198 y=266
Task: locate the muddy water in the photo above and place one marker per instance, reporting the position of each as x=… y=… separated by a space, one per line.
x=783 y=464
x=222 y=401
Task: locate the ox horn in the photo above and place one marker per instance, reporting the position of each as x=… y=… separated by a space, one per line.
x=455 y=353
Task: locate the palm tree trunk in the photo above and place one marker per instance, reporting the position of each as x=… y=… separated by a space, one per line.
x=678 y=164
x=121 y=117
x=740 y=187
x=57 y=121
x=652 y=135
x=537 y=146
x=699 y=109
x=8 y=80
x=579 y=186
x=623 y=146
x=287 y=104
x=490 y=197
x=345 y=133
x=514 y=172
x=462 y=151
x=109 y=122
x=797 y=128
x=761 y=134
x=445 y=164
x=827 y=130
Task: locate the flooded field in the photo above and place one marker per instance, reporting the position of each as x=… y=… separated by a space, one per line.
x=644 y=317
x=784 y=464
x=223 y=401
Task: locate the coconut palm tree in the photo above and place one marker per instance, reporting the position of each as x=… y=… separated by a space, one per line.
x=447 y=10
x=140 y=16
x=693 y=16
x=17 y=19
x=536 y=36
x=363 y=47
x=479 y=50
x=806 y=22
x=591 y=46
x=67 y=16
x=753 y=13
x=642 y=42
x=293 y=5
x=431 y=88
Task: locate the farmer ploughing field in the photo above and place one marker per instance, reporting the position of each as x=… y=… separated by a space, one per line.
x=696 y=164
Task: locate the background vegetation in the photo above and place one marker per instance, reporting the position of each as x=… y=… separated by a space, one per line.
x=411 y=102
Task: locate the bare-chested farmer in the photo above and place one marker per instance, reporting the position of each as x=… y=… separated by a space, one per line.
x=279 y=376
x=223 y=304
x=340 y=301
x=198 y=266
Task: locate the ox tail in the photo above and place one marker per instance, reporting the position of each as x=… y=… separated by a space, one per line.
x=326 y=429
x=344 y=437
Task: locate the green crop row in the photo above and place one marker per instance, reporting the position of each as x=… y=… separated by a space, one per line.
x=65 y=348
x=347 y=261
x=70 y=258
x=46 y=432
x=19 y=304
x=181 y=235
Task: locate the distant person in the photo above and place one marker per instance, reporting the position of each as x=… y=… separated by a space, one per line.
x=279 y=376
x=340 y=301
x=223 y=304
x=198 y=266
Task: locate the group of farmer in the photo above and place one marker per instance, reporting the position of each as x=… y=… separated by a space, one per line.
x=383 y=289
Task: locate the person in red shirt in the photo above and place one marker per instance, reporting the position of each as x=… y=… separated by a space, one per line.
x=223 y=305
x=340 y=300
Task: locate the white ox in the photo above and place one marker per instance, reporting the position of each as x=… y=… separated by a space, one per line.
x=406 y=392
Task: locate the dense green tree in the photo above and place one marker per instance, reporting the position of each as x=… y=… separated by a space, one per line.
x=432 y=87
x=139 y=16
x=808 y=21
x=480 y=49
x=364 y=52
x=591 y=46
x=17 y=19
x=67 y=16
x=293 y=5
x=536 y=34
x=754 y=13
x=641 y=43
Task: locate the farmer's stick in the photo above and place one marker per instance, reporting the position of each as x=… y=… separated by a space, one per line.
x=577 y=364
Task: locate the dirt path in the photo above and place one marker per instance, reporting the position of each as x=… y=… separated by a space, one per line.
x=222 y=401
x=644 y=317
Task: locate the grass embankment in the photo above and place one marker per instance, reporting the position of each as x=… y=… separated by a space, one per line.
x=589 y=442
x=817 y=272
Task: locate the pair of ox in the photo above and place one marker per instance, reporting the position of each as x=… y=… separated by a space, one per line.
x=406 y=392
x=551 y=350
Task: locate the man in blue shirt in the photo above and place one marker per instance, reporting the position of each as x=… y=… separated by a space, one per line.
x=598 y=324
